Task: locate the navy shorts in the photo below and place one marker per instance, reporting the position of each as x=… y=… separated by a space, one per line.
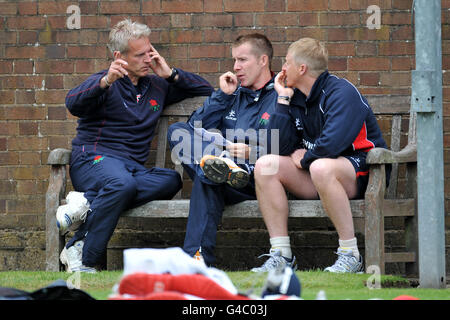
x=358 y=160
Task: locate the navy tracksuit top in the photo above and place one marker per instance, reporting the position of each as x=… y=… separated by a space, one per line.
x=121 y=119
x=246 y=110
x=334 y=120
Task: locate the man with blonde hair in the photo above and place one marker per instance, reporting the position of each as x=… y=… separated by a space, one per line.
x=337 y=129
x=118 y=109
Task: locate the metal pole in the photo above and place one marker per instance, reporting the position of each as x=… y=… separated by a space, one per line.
x=427 y=102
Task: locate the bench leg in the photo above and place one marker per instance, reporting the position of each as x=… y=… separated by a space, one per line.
x=53 y=241
x=374 y=219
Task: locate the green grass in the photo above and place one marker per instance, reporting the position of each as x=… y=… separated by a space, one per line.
x=335 y=286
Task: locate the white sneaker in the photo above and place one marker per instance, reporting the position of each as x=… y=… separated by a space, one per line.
x=346 y=263
x=71 y=259
x=71 y=215
x=275 y=261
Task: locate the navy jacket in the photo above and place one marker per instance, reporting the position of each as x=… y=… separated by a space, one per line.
x=121 y=119
x=334 y=120
x=245 y=111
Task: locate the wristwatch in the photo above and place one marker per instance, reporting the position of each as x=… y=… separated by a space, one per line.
x=171 y=79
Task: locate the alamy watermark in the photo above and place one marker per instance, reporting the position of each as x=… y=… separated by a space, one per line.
x=189 y=146
x=374 y=20
x=74 y=20
x=374 y=281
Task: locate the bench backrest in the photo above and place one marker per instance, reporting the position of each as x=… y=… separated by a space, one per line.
x=392 y=112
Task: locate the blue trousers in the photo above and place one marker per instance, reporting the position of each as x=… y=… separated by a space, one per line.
x=112 y=185
x=207 y=201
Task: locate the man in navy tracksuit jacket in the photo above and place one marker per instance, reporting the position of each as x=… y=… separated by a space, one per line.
x=118 y=110
x=337 y=129
x=246 y=107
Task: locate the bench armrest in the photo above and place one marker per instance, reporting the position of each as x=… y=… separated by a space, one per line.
x=382 y=156
x=59 y=157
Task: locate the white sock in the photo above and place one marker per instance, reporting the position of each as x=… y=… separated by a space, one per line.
x=284 y=244
x=350 y=244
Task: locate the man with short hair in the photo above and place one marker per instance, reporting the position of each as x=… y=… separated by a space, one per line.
x=240 y=113
x=118 y=110
x=337 y=129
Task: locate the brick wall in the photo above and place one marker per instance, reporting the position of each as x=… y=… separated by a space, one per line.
x=41 y=59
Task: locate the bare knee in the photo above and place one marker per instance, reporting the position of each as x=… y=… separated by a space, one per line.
x=266 y=167
x=321 y=171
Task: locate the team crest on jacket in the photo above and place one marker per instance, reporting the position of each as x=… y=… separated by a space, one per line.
x=154 y=105
x=264 y=119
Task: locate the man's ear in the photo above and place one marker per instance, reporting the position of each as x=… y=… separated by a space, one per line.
x=264 y=60
x=303 y=69
x=117 y=55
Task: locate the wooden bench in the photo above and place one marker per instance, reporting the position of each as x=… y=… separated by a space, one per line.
x=377 y=204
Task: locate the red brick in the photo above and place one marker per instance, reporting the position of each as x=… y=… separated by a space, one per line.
x=277 y=19
x=53 y=7
x=307 y=5
x=366 y=49
x=54 y=128
x=8 y=8
x=25 y=97
x=26 y=22
x=28 y=128
x=94 y=22
x=396 y=48
x=208 y=51
x=403 y=63
x=27 y=187
x=216 y=20
x=54 y=82
x=396 y=79
x=54 y=66
x=9 y=158
x=275 y=5
x=119 y=7
x=25 y=113
x=364 y=4
x=337 y=64
x=244 y=19
x=23 y=66
x=6 y=67
x=339 y=19
x=57 y=113
x=3 y=144
x=369 y=78
x=341 y=49
x=22 y=82
x=208 y=65
x=26 y=143
x=213 y=35
x=24 y=52
x=157 y=21
x=173 y=6
x=28 y=37
x=368 y=64
x=84 y=66
x=8 y=37
x=339 y=5
x=6 y=97
x=86 y=52
x=213 y=6
x=402 y=4
x=366 y=34
x=243 y=6
x=151 y=6
x=51 y=96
